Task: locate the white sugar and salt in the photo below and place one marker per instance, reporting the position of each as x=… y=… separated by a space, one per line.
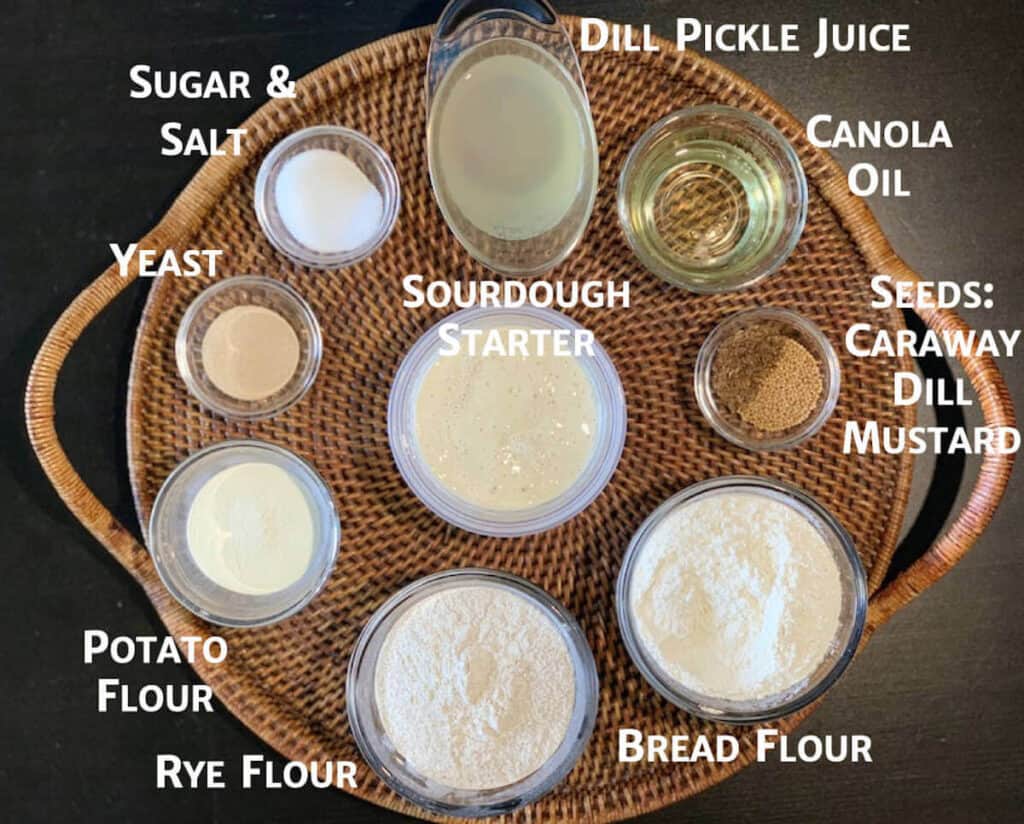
x=327 y=202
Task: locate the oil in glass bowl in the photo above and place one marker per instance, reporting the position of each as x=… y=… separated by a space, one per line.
x=712 y=199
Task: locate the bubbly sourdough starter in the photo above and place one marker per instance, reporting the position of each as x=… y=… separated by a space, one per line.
x=736 y=595
x=475 y=687
x=506 y=432
x=250 y=529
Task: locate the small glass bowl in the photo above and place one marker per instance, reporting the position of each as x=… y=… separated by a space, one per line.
x=604 y=457
x=247 y=290
x=700 y=169
x=730 y=425
x=168 y=542
x=367 y=155
x=388 y=763
x=851 y=617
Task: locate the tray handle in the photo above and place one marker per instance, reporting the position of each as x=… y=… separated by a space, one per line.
x=993 y=476
x=42 y=431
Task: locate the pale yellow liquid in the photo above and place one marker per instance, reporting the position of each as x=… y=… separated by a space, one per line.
x=508 y=142
x=506 y=432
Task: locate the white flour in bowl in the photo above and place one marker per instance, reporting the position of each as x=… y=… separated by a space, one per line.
x=736 y=595
x=475 y=687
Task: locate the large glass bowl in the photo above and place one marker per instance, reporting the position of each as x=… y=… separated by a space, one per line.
x=388 y=763
x=848 y=631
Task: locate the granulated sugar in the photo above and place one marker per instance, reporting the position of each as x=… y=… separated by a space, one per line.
x=736 y=596
x=475 y=687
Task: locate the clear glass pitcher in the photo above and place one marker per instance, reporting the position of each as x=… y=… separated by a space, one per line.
x=510 y=138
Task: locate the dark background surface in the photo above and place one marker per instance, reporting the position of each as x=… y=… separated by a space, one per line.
x=939 y=689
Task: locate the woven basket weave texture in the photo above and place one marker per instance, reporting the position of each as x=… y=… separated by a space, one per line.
x=287 y=682
x=296 y=670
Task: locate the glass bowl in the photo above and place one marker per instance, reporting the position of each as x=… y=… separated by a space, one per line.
x=468 y=33
x=851 y=619
x=712 y=198
x=729 y=424
x=604 y=456
x=168 y=541
x=247 y=290
x=386 y=762
x=367 y=155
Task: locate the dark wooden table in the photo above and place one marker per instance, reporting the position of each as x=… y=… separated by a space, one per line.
x=939 y=690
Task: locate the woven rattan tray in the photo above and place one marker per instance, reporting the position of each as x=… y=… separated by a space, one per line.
x=287 y=682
